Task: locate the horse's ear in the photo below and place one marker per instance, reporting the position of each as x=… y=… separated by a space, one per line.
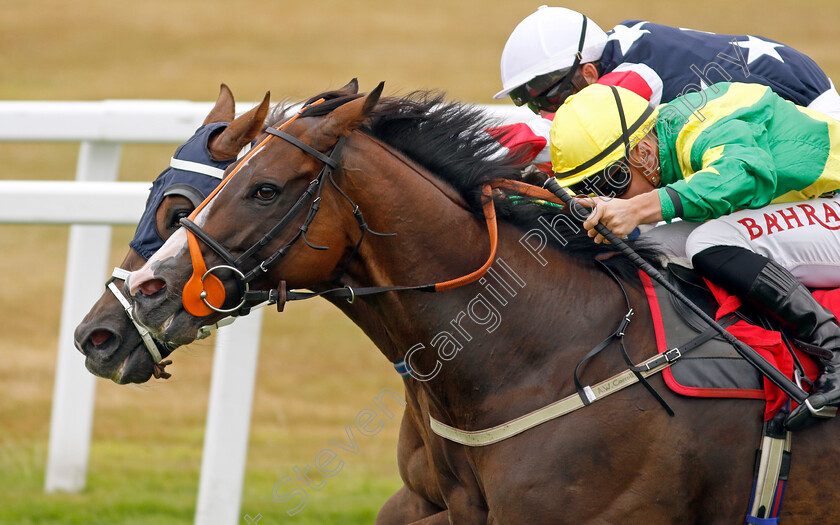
x=344 y=119
x=241 y=131
x=223 y=111
x=351 y=88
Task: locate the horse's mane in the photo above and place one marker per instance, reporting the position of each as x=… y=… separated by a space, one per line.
x=450 y=139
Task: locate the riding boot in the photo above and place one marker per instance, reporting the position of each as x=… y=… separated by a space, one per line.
x=779 y=294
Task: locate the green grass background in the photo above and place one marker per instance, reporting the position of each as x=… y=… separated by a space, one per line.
x=316 y=369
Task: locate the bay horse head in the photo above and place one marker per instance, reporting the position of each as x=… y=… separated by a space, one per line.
x=259 y=193
x=113 y=347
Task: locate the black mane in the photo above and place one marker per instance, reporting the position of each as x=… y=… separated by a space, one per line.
x=450 y=140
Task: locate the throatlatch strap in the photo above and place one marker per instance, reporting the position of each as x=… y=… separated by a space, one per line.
x=351 y=293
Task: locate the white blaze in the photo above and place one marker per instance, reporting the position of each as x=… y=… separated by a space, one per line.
x=174 y=246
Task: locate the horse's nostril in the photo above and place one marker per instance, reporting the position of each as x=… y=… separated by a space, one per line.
x=98 y=337
x=152 y=286
x=100 y=344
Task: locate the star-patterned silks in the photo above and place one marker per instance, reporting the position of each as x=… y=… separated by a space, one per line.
x=626 y=36
x=757 y=48
x=681 y=58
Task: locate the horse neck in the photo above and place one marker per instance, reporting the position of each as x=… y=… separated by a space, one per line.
x=488 y=336
x=437 y=237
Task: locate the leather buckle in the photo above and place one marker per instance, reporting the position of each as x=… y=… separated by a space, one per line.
x=622 y=327
x=666 y=357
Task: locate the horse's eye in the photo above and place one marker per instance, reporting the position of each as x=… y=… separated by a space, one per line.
x=265 y=192
x=176 y=218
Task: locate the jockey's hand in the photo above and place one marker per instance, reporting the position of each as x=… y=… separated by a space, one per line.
x=621 y=216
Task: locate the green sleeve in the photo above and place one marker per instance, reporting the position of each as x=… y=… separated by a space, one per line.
x=668 y=209
x=732 y=171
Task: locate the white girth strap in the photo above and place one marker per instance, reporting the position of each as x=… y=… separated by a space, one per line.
x=480 y=438
x=119 y=273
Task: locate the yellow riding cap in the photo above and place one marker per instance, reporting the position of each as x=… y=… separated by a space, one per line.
x=595 y=128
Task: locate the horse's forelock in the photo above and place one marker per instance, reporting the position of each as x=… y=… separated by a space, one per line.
x=279 y=112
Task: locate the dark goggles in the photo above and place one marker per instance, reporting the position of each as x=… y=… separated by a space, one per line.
x=538 y=86
x=545 y=92
x=552 y=99
x=548 y=92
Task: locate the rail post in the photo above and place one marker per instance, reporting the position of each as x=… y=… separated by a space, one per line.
x=89 y=247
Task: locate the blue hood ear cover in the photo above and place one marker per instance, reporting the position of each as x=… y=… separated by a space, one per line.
x=191 y=184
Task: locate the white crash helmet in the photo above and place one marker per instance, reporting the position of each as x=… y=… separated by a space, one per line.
x=545 y=41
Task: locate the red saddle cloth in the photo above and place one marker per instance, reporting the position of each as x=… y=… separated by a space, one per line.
x=766 y=342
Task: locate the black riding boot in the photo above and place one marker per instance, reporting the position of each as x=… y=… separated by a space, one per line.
x=778 y=293
x=774 y=291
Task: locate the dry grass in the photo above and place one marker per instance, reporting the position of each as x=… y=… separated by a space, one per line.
x=316 y=370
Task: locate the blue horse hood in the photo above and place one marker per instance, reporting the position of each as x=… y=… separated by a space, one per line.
x=192 y=173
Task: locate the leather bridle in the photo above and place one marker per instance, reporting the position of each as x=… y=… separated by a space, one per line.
x=145 y=336
x=234 y=265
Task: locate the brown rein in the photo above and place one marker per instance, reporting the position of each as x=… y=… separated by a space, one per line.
x=281 y=294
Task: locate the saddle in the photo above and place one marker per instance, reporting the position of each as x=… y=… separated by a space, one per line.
x=712 y=368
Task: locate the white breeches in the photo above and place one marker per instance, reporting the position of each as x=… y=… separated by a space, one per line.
x=803 y=237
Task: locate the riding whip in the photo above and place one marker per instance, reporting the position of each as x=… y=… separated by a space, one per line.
x=748 y=353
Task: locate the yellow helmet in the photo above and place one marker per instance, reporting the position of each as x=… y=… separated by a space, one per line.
x=594 y=129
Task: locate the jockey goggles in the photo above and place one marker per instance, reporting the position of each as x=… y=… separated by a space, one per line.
x=548 y=92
